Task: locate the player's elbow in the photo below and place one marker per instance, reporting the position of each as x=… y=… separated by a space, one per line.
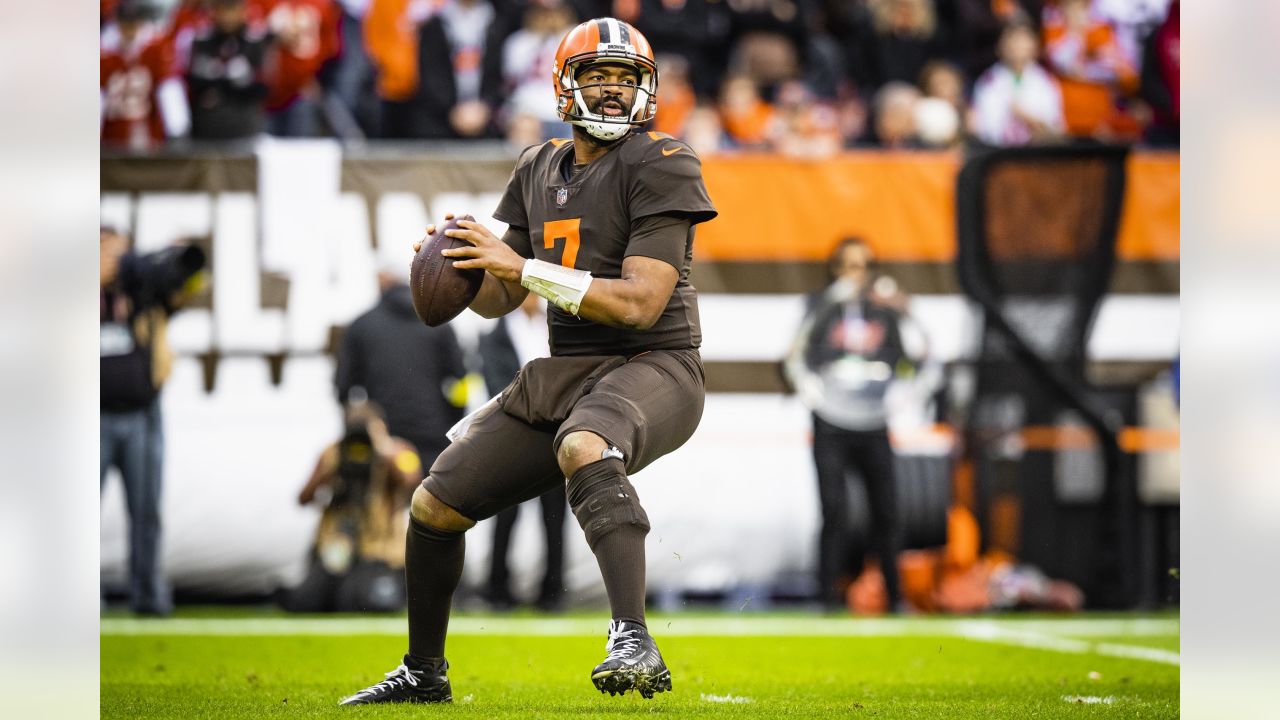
x=641 y=316
x=634 y=323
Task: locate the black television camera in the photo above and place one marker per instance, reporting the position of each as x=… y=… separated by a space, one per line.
x=154 y=278
x=355 y=468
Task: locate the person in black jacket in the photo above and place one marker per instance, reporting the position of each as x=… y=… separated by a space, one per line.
x=224 y=78
x=518 y=338
x=412 y=371
x=459 y=72
x=894 y=40
x=137 y=294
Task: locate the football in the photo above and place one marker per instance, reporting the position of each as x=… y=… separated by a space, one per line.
x=441 y=291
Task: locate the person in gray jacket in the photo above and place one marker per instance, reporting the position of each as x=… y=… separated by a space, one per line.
x=844 y=357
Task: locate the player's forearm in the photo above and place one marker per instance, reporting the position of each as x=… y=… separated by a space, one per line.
x=626 y=303
x=497 y=297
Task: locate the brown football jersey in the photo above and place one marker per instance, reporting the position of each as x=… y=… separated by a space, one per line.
x=586 y=221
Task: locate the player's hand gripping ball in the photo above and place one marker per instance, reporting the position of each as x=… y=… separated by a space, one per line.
x=441 y=291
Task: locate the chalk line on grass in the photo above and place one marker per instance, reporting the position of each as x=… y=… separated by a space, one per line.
x=732 y=699
x=1089 y=699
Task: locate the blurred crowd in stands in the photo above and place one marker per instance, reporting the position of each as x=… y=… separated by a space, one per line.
x=800 y=77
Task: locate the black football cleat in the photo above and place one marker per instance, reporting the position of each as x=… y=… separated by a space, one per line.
x=634 y=663
x=405 y=685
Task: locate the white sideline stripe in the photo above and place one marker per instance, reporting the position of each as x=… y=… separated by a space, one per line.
x=993 y=633
x=1138 y=652
x=993 y=630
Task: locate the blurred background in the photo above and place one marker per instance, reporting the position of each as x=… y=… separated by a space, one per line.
x=1011 y=169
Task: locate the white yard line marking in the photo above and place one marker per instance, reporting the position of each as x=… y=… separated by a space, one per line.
x=1004 y=634
x=1054 y=635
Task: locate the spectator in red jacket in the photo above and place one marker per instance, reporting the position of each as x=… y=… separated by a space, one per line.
x=306 y=36
x=106 y=11
x=142 y=101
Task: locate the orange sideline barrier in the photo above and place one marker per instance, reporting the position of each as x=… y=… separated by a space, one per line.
x=903 y=203
x=1130 y=439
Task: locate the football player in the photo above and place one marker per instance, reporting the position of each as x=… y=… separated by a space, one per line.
x=601 y=226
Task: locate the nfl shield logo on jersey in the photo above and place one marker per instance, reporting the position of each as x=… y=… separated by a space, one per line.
x=562 y=197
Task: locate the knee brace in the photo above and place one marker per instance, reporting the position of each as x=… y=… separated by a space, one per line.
x=604 y=500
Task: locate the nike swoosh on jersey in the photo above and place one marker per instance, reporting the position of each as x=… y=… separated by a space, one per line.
x=668 y=152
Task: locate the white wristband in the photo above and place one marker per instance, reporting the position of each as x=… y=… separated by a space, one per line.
x=561 y=286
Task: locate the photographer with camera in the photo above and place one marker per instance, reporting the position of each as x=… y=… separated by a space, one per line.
x=137 y=294
x=846 y=353
x=357 y=561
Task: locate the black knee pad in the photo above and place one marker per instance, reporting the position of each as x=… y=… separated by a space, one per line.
x=604 y=500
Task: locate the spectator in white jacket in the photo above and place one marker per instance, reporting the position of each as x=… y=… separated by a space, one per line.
x=1016 y=101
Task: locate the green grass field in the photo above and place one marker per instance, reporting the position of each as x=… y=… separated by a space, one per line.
x=211 y=665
